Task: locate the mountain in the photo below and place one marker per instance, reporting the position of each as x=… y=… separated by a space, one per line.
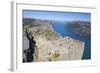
x=32 y=22
x=27 y=21
x=82 y=28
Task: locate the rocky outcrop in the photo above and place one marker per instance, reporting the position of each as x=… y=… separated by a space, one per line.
x=51 y=46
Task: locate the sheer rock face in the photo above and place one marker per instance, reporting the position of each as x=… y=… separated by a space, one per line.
x=51 y=46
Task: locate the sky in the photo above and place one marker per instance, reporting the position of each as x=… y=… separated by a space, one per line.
x=57 y=16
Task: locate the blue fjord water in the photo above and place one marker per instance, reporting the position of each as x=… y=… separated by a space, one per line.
x=66 y=31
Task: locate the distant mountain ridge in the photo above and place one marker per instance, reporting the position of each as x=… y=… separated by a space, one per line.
x=27 y=21
x=82 y=28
